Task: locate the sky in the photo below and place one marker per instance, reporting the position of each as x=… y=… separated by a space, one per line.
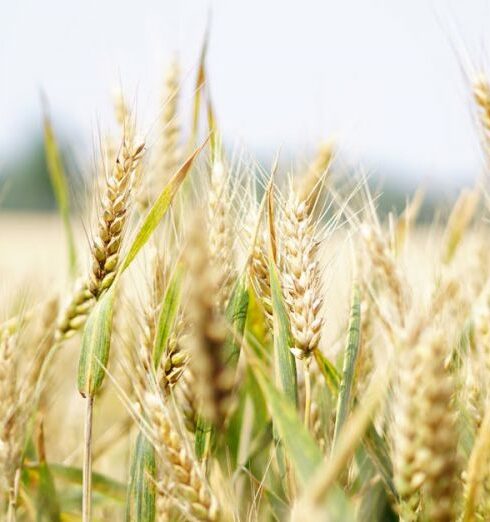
x=386 y=78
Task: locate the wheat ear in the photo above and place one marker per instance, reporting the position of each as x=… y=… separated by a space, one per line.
x=193 y=491
x=107 y=242
x=405 y=437
x=437 y=456
x=221 y=240
x=301 y=278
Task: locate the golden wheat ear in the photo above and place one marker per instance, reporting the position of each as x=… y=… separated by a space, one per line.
x=113 y=214
x=192 y=495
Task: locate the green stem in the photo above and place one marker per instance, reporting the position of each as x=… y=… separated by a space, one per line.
x=87 y=462
x=306 y=367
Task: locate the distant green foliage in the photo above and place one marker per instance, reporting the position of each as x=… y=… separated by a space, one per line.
x=24 y=180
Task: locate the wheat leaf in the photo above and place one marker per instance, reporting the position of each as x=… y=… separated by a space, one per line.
x=96 y=342
x=158 y=210
x=350 y=359
x=301 y=449
x=140 y=502
x=59 y=183
x=167 y=316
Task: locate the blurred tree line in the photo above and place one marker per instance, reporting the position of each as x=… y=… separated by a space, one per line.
x=24 y=180
x=25 y=185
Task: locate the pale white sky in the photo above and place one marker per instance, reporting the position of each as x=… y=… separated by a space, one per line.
x=380 y=74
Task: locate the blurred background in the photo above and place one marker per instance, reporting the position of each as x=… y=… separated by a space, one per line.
x=388 y=79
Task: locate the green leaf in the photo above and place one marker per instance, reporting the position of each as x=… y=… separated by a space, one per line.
x=236 y=316
x=375 y=506
x=96 y=342
x=234 y=429
x=198 y=89
x=47 y=505
x=339 y=508
x=256 y=329
x=60 y=188
x=140 y=502
x=203 y=435
x=168 y=313
x=158 y=210
x=100 y=483
x=350 y=359
x=284 y=362
x=377 y=449
x=261 y=414
x=301 y=448
x=378 y=497
x=375 y=446
x=329 y=372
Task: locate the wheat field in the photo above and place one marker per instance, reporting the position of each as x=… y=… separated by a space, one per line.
x=208 y=338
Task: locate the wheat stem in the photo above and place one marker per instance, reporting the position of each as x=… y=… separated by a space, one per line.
x=307 y=392
x=13 y=494
x=87 y=462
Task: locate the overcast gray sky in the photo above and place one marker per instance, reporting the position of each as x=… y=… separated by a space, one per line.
x=380 y=74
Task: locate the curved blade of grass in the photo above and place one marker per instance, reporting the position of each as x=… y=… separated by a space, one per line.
x=140 y=502
x=350 y=359
x=158 y=210
x=96 y=342
x=211 y=117
x=300 y=446
x=377 y=449
x=237 y=310
x=375 y=445
x=329 y=372
x=256 y=330
x=375 y=505
x=100 y=483
x=284 y=362
x=204 y=434
x=60 y=188
x=198 y=89
x=234 y=427
x=168 y=314
x=236 y=316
